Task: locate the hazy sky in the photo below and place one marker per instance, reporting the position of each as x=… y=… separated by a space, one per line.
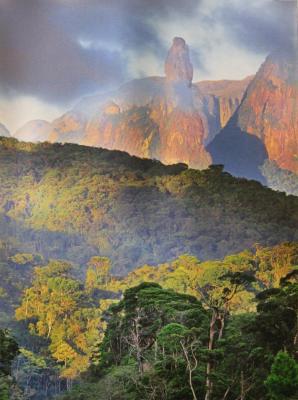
x=53 y=52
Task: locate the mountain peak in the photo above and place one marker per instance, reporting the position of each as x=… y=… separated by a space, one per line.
x=178 y=67
x=34 y=131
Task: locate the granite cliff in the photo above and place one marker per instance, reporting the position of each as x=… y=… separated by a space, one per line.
x=168 y=118
x=265 y=126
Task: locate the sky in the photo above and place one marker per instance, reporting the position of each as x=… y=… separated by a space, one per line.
x=53 y=52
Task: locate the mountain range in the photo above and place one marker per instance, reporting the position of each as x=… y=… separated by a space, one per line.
x=265 y=125
x=241 y=124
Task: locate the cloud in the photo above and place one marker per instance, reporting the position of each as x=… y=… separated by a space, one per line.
x=230 y=39
x=25 y=108
x=260 y=25
x=59 y=50
x=40 y=56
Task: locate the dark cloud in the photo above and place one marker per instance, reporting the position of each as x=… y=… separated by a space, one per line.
x=39 y=48
x=40 y=54
x=260 y=27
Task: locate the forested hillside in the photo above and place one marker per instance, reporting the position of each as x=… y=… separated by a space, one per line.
x=73 y=202
x=183 y=329
x=164 y=345
x=82 y=229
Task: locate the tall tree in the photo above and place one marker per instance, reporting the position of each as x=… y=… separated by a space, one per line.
x=8 y=351
x=282 y=382
x=57 y=308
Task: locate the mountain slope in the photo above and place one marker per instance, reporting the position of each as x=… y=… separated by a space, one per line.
x=270 y=110
x=35 y=131
x=266 y=120
x=135 y=211
x=167 y=118
x=155 y=118
x=223 y=98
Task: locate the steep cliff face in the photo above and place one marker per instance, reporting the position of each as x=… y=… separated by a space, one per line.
x=169 y=118
x=178 y=67
x=69 y=128
x=265 y=126
x=182 y=139
x=270 y=110
x=160 y=129
x=152 y=117
x=132 y=131
x=223 y=97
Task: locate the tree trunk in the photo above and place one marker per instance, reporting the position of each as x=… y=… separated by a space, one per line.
x=242 y=395
x=222 y=320
x=212 y=331
x=226 y=393
x=190 y=370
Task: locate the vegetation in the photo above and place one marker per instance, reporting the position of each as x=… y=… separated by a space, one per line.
x=186 y=274
x=157 y=346
x=214 y=323
x=58 y=309
x=283 y=379
x=8 y=351
x=74 y=202
x=182 y=334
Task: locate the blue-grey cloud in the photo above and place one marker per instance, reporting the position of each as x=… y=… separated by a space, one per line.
x=38 y=55
x=41 y=48
x=262 y=26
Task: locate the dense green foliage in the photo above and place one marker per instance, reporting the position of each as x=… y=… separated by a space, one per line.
x=157 y=346
x=74 y=202
x=16 y=274
x=186 y=274
x=157 y=343
x=219 y=324
x=283 y=379
x=58 y=309
x=8 y=351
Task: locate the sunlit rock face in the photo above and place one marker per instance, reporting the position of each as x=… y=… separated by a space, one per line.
x=270 y=109
x=178 y=67
x=152 y=117
x=221 y=100
x=35 y=131
x=69 y=128
x=182 y=137
x=168 y=118
x=4 y=131
x=132 y=130
x=265 y=126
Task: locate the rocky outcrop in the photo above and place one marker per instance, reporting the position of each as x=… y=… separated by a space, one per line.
x=69 y=128
x=270 y=109
x=266 y=123
x=152 y=117
x=182 y=138
x=35 y=131
x=4 y=131
x=161 y=131
x=168 y=118
x=133 y=131
x=224 y=97
x=178 y=67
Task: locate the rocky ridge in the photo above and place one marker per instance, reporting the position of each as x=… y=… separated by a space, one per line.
x=265 y=126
